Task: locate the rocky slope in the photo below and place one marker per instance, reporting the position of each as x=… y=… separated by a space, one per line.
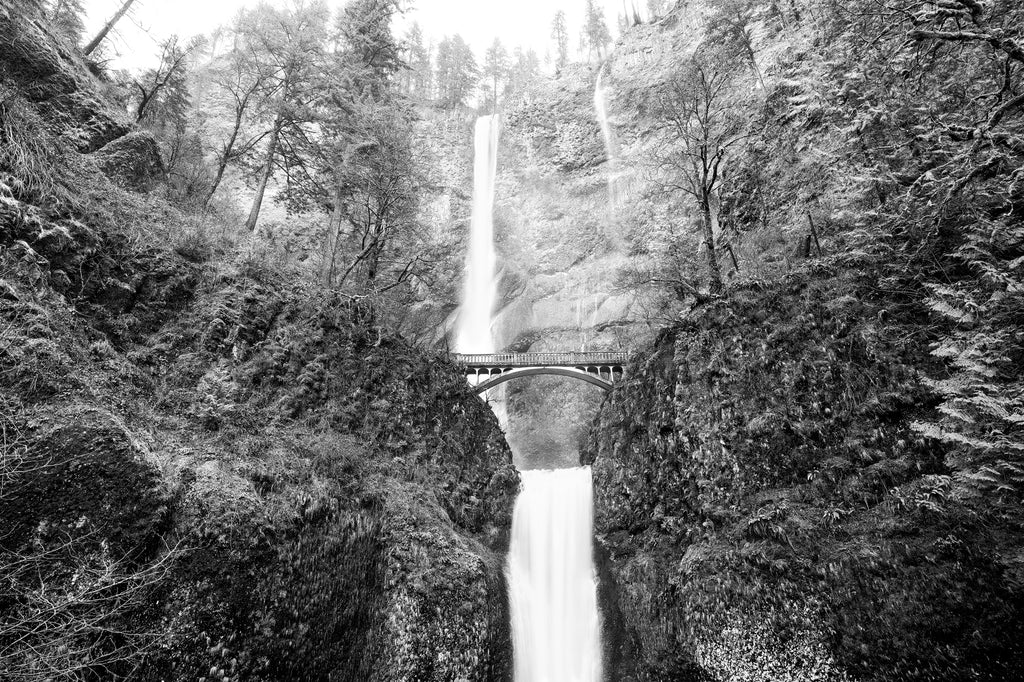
x=209 y=471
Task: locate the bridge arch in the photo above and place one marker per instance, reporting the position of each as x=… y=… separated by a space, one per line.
x=518 y=372
x=600 y=368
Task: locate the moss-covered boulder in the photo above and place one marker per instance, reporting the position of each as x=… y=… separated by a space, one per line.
x=133 y=161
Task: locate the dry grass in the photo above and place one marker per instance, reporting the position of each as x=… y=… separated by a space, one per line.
x=71 y=608
x=32 y=162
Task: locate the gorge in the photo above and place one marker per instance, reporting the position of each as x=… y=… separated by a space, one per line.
x=782 y=240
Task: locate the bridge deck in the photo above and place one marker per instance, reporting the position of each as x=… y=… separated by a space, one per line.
x=540 y=359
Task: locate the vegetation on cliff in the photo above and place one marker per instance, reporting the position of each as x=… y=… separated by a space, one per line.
x=817 y=475
x=211 y=466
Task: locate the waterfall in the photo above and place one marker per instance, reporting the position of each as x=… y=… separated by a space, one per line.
x=551 y=579
x=473 y=333
x=611 y=145
x=552 y=583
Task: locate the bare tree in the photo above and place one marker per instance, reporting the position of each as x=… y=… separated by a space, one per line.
x=383 y=207
x=248 y=80
x=700 y=129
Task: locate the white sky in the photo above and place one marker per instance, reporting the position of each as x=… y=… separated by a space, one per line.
x=515 y=22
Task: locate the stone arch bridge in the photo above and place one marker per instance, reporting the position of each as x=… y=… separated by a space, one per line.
x=599 y=368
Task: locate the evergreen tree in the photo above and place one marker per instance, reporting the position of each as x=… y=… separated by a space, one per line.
x=369 y=47
x=524 y=72
x=419 y=75
x=596 y=36
x=457 y=71
x=560 y=34
x=65 y=18
x=495 y=69
x=351 y=158
x=656 y=8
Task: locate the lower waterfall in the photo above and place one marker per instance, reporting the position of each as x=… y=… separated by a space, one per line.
x=556 y=630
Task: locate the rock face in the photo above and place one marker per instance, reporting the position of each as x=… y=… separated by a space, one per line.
x=120 y=496
x=309 y=497
x=560 y=255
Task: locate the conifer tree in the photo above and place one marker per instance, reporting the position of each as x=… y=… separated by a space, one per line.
x=656 y=8
x=418 y=75
x=457 y=71
x=596 y=36
x=560 y=34
x=495 y=69
x=65 y=17
x=524 y=71
x=369 y=47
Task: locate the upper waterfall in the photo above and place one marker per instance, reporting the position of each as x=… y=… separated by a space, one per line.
x=473 y=332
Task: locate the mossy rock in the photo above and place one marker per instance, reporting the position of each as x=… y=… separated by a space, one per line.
x=82 y=469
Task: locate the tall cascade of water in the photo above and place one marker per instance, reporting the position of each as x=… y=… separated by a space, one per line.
x=473 y=331
x=551 y=579
x=611 y=145
x=556 y=630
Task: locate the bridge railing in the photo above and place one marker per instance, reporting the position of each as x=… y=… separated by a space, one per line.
x=541 y=359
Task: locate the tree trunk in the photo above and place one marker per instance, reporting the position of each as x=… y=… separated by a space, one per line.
x=95 y=42
x=375 y=248
x=147 y=97
x=333 y=237
x=222 y=163
x=714 y=271
x=268 y=170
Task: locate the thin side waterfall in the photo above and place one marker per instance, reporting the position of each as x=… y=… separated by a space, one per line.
x=556 y=630
x=611 y=145
x=473 y=332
